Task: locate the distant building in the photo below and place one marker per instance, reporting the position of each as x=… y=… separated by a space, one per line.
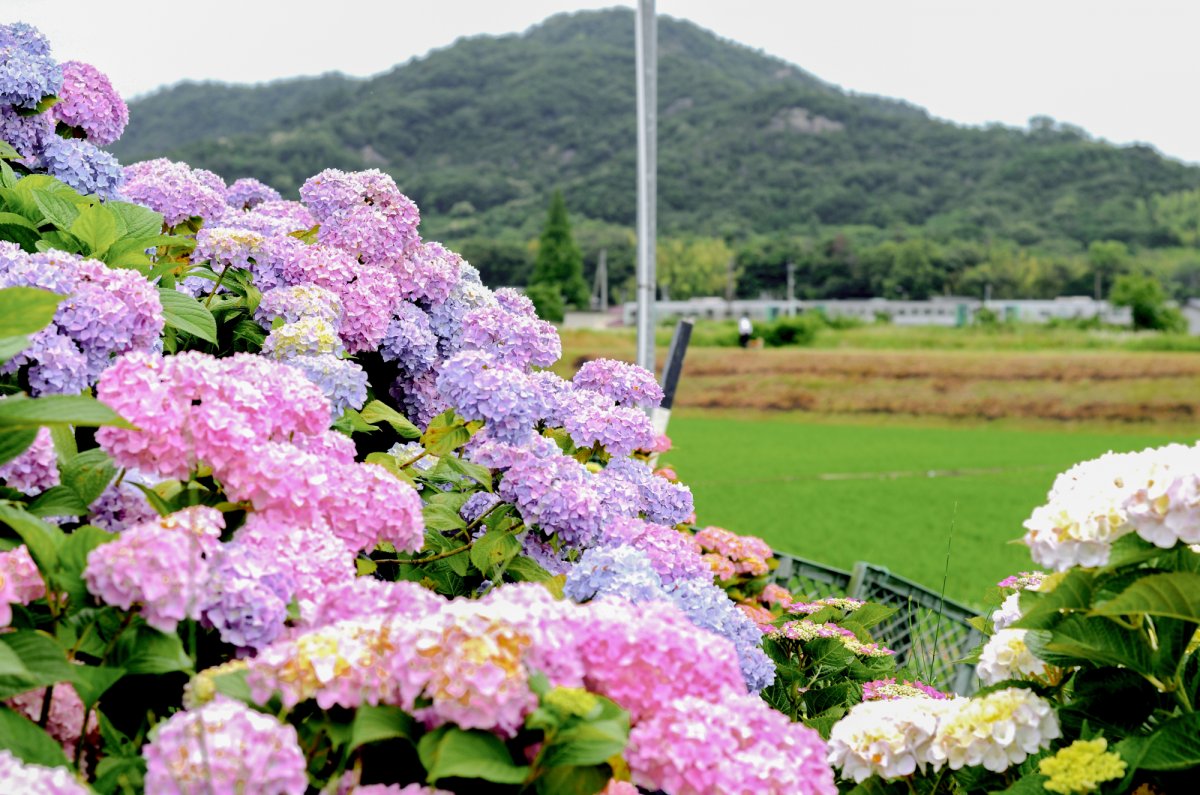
x=940 y=311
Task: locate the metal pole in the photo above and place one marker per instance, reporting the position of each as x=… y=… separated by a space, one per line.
x=647 y=139
x=669 y=380
x=602 y=267
x=791 y=289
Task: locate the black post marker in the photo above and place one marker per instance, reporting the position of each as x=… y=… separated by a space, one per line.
x=672 y=369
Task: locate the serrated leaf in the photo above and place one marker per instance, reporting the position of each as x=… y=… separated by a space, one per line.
x=140 y=222
x=144 y=650
x=88 y=474
x=26 y=310
x=96 y=227
x=8 y=152
x=93 y=681
x=56 y=208
x=43 y=539
x=72 y=560
x=480 y=474
x=185 y=313
x=377 y=411
x=1175 y=745
x=1173 y=595
x=28 y=742
x=1073 y=594
x=442 y=517
x=588 y=743
x=445 y=434
x=493 y=551
x=15 y=442
x=50 y=410
x=451 y=752
x=44 y=659
x=18 y=229
x=351 y=422
x=523 y=569
x=373 y=724
x=58 y=501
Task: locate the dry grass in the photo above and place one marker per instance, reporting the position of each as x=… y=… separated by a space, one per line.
x=1111 y=386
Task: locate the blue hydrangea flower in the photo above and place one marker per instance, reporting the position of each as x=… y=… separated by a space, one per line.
x=477 y=505
x=82 y=165
x=409 y=340
x=27 y=71
x=247 y=599
x=480 y=388
x=343 y=381
x=614 y=571
x=709 y=607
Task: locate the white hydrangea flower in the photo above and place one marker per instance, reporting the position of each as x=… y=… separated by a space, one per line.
x=1166 y=509
x=1086 y=508
x=1008 y=612
x=1007 y=657
x=887 y=738
x=997 y=731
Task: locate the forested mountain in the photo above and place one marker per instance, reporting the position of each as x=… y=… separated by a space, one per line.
x=481 y=132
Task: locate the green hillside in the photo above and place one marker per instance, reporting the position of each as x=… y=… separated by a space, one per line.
x=481 y=132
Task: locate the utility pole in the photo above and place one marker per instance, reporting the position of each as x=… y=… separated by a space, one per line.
x=730 y=287
x=600 y=283
x=791 y=289
x=647 y=162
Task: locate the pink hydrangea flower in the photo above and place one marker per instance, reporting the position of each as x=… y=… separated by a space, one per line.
x=162 y=566
x=20 y=581
x=224 y=747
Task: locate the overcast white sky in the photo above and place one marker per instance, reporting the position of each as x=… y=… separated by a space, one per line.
x=1123 y=70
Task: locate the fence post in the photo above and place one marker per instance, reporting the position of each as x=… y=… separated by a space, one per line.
x=858 y=580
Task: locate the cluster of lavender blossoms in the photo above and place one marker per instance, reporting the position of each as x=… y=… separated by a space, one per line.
x=272 y=567
x=86 y=105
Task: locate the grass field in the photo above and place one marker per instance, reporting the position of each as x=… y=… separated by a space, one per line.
x=837 y=491
x=880 y=442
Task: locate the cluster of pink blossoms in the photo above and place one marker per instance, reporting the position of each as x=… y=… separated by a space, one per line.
x=20 y=581
x=469 y=661
x=730 y=554
x=224 y=746
x=261 y=428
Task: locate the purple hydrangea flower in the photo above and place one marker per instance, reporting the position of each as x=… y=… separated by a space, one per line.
x=176 y=190
x=367 y=308
x=247 y=598
x=538 y=549
x=477 y=505
x=27 y=71
x=247 y=193
x=418 y=397
x=445 y=317
x=590 y=419
x=343 y=381
x=614 y=571
x=26 y=134
x=57 y=366
x=409 y=340
x=555 y=493
x=661 y=501
x=121 y=505
x=363 y=213
x=709 y=607
x=34 y=470
x=517 y=340
x=298 y=263
x=514 y=302
x=428 y=272
x=89 y=101
x=671 y=553
x=480 y=388
x=301 y=301
x=624 y=383
x=83 y=166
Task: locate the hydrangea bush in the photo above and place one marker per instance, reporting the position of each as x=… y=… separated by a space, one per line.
x=290 y=505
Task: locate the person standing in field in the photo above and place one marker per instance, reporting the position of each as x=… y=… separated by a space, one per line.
x=745 y=330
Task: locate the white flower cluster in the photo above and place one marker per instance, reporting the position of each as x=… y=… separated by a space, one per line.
x=1094 y=503
x=895 y=738
x=1007 y=657
x=1008 y=612
x=997 y=731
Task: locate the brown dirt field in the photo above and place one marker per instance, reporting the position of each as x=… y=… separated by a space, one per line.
x=1108 y=386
